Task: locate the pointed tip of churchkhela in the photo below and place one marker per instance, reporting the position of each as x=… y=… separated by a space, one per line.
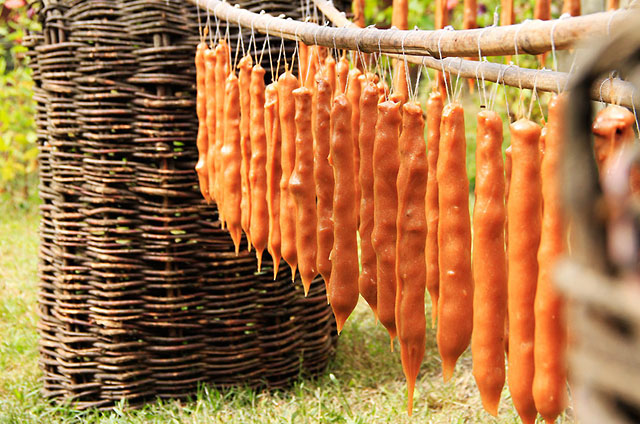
x=548 y=420
x=340 y=320
x=236 y=238
x=392 y=336
x=294 y=268
x=259 y=259
x=276 y=267
x=491 y=405
x=447 y=369
x=411 y=360
x=528 y=418
x=410 y=388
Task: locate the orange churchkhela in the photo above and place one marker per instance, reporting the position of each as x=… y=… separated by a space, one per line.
x=323 y=177
x=303 y=189
x=524 y=211
x=367 y=282
x=549 y=350
x=303 y=62
x=441 y=17
x=221 y=72
x=354 y=91
x=259 y=222
x=399 y=19
x=455 y=303
x=612 y=127
x=201 y=111
x=244 y=79
x=232 y=160
x=542 y=11
x=342 y=75
x=470 y=21
x=507 y=183
x=434 y=114
x=411 y=269
x=343 y=288
x=386 y=162
x=312 y=68
x=210 y=86
x=274 y=173
x=489 y=262
x=571 y=7
x=330 y=72
x=287 y=82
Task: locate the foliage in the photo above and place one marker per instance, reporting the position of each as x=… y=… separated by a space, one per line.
x=18 y=148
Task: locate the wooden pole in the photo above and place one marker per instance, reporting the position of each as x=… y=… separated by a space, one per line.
x=533 y=37
x=400 y=20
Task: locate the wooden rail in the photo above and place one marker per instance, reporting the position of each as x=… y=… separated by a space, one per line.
x=531 y=37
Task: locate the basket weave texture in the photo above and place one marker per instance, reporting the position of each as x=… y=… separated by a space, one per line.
x=140 y=293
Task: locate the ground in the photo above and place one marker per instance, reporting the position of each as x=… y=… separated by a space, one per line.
x=363 y=384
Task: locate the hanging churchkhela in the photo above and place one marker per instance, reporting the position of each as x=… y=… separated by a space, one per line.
x=244 y=80
x=354 y=91
x=400 y=20
x=386 y=162
x=323 y=176
x=524 y=212
x=489 y=263
x=302 y=188
x=550 y=338
x=221 y=72
x=368 y=280
x=201 y=109
x=435 y=104
x=411 y=272
x=259 y=221
x=455 y=302
x=211 y=110
x=274 y=173
x=232 y=160
x=612 y=127
x=343 y=288
x=287 y=82
x=342 y=75
x=331 y=72
x=330 y=171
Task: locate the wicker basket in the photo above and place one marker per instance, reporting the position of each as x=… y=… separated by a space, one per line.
x=140 y=294
x=604 y=298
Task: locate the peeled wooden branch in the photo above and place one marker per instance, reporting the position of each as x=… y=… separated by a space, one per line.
x=609 y=91
x=532 y=37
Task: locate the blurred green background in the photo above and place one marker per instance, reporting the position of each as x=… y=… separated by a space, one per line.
x=18 y=150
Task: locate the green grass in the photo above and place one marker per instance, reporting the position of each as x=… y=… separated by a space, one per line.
x=363 y=384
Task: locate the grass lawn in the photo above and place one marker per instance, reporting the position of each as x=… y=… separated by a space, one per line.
x=363 y=384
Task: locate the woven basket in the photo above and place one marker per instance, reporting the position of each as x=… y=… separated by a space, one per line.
x=604 y=299
x=140 y=293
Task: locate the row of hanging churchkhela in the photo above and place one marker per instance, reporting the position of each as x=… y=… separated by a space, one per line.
x=308 y=162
